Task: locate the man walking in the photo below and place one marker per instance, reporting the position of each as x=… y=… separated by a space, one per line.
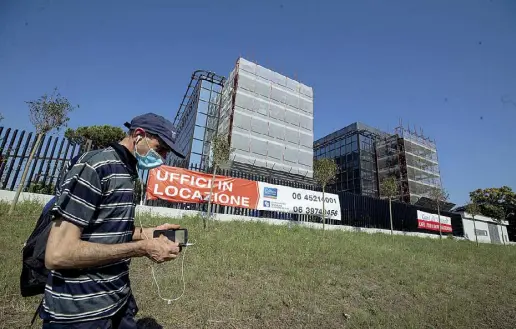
x=93 y=236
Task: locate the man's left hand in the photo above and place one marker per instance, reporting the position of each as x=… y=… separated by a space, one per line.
x=148 y=233
x=168 y=226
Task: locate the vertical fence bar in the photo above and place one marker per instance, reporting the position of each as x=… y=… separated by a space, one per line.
x=9 y=159
x=23 y=156
x=76 y=150
x=13 y=158
x=4 y=155
x=7 y=154
x=62 y=160
x=42 y=162
x=50 y=162
x=53 y=178
x=35 y=160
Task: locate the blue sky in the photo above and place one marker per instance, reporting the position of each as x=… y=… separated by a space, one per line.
x=448 y=66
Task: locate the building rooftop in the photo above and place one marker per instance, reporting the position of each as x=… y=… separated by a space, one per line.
x=356 y=126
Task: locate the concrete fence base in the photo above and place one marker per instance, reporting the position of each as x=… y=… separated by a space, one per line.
x=8 y=196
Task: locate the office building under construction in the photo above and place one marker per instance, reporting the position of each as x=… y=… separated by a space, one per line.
x=269 y=120
x=366 y=156
x=411 y=158
x=267 y=116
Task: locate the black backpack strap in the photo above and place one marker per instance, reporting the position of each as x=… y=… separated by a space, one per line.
x=37 y=312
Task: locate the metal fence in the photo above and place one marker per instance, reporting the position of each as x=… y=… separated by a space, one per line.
x=54 y=152
x=49 y=159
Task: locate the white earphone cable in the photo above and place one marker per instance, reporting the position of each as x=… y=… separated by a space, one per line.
x=168 y=300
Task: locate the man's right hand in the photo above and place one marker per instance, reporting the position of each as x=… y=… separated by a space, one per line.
x=162 y=249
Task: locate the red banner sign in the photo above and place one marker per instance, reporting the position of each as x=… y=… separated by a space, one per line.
x=182 y=185
x=430 y=222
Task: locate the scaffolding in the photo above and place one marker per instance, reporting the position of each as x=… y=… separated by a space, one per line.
x=411 y=158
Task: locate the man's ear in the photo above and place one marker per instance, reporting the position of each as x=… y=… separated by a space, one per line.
x=138 y=134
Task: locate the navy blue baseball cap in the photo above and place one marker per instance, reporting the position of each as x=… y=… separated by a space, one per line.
x=159 y=126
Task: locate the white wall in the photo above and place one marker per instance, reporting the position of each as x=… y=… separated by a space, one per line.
x=8 y=196
x=469 y=231
x=482 y=223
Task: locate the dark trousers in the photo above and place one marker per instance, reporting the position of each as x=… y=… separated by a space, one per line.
x=124 y=319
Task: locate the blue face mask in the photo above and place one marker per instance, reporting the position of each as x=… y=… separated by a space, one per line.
x=148 y=161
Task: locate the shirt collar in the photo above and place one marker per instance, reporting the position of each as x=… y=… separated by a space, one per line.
x=126 y=157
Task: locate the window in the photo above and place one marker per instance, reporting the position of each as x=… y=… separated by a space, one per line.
x=202 y=107
x=201 y=120
x=195 y=158
x=214 y=98
x=197 y=146
x=199 y=133
x=205 y=94
x=481 y=232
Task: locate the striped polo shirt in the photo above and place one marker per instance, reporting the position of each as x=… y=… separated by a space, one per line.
x=96 y=194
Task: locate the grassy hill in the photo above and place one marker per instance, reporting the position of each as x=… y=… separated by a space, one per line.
x=253 y=275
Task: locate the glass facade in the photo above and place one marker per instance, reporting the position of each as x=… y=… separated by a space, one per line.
x=197 y=118
x=353 y=149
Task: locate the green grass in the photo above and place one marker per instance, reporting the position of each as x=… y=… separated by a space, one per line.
x=254 y=275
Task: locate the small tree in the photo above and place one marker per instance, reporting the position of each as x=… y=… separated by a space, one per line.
x=324 y=172
x=100 y=136
x=221 y=152
x=47 y=113
x=474 y=210
x=389 y=188
x=439 y=196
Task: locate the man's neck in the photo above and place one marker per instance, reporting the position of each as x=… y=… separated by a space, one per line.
x=128 y=144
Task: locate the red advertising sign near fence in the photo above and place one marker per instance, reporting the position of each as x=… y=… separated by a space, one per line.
x=182 y=185
x=430 y=222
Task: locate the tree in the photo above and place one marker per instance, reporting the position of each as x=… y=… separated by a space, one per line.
x=49 y=112
x=389 y=188
x=324 y=172
x=100 y=136
x=491 y=199
x=221 y=152
x=439 y=196
x=474 y=210
x=497 y=203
